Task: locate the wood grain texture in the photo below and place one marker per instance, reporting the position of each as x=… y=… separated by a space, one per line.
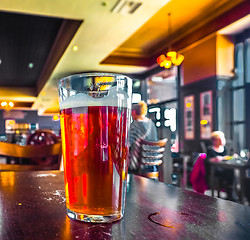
x=40 y=157
x=32 y=206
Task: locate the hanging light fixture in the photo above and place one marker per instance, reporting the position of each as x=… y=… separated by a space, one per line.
x=171 y=57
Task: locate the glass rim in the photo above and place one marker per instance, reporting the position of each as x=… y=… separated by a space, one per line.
x=90 y=74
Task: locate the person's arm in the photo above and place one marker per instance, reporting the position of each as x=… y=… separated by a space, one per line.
x=214 y=157
x=217 y=159
x=211 y=155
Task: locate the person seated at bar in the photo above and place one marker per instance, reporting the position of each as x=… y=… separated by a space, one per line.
x=141 y=128
x=216 y=153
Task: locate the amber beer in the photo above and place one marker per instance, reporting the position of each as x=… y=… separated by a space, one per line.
x=95 y=158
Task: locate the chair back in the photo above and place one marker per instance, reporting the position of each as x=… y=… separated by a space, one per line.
x=148 y=153
x=197 y=176
x=42 y=157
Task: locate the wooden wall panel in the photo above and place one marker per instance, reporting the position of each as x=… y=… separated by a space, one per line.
x=200 y=62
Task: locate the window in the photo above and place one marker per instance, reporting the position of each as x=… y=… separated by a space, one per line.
x=163 y=104
x=248 y=60
x=162 y=86
x=239 y=65
x=238 y=94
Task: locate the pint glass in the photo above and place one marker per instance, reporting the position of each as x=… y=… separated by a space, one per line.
x=95 y=118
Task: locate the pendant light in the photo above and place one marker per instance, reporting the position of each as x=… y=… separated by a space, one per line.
x=171 y=58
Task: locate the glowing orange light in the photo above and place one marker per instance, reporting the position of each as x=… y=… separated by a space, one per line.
x=177 y=61
x=7 y=105
x=75 y=48
x=11 y=122
x=168 y=64
x=55 y=118
x=162 y=64
x=172 y=54
x=204 y=122
x=11 y=104
x=3 y=104
x=188 y=105
x=160 y=59
x=171 y=57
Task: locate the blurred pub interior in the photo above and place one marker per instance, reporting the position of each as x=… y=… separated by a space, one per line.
x=44 y=41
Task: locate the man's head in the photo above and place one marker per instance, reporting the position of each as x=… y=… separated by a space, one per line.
x=139 y=109
x=218 y=138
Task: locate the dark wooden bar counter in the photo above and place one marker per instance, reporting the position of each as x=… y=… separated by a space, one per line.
x=32 y=206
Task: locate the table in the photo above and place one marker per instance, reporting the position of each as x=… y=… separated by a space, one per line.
x=230 y=164
x=32 y=207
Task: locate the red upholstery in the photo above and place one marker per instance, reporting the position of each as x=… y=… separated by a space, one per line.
x=197 y=176
x=42 y=137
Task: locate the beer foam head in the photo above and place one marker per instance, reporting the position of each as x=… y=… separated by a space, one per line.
x=114 y=98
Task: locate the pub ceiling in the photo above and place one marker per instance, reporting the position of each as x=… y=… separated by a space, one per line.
x=42 y=41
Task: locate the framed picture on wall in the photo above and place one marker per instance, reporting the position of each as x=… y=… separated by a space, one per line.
x=206 y=114
x=189 y=116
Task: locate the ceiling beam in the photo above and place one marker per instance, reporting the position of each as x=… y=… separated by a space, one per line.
x=130 y=61
x=25 y=94
x=63 y=38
